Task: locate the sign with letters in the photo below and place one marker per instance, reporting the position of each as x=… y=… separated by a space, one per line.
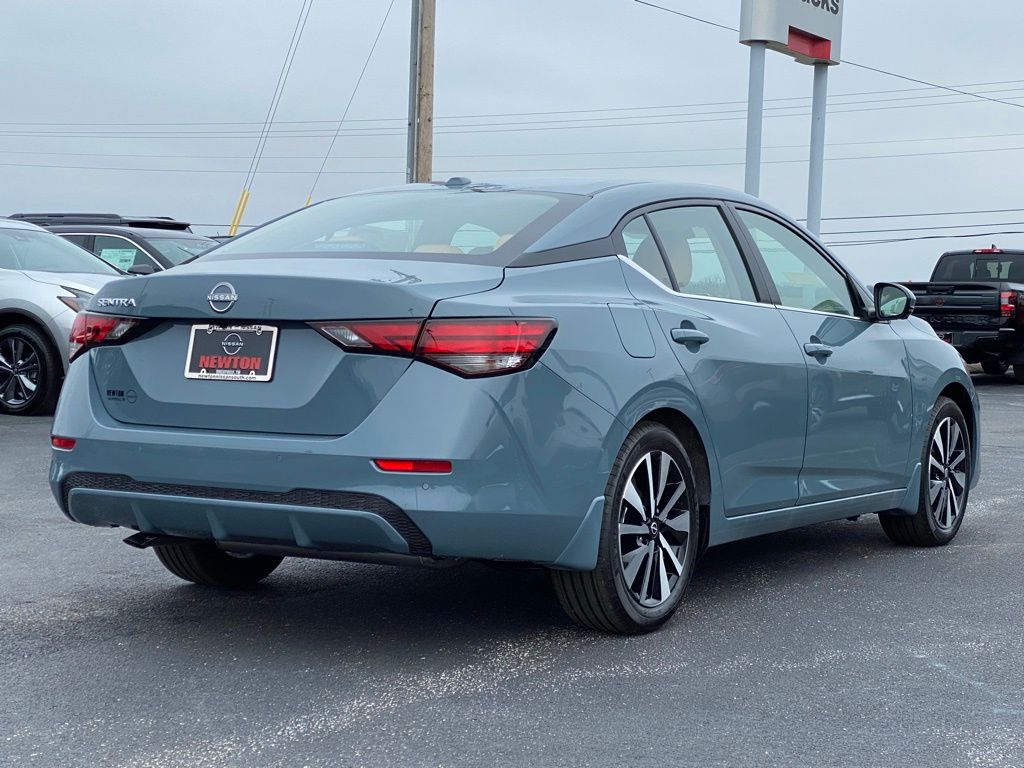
x=808 y=30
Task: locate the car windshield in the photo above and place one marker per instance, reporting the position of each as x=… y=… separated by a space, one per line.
x=177 y=249
x=462 y=225
x=979 y=266
x=31 y=250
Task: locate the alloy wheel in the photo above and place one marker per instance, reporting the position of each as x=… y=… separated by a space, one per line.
x=20 y=371
x=947 y=473
x=654 y=529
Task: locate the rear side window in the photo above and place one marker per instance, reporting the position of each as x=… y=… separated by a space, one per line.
x=119 y=252
x=642 y=249
x=459 y=223
x=702 y=253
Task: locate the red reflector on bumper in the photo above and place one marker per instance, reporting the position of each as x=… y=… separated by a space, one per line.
x=62 y=443
x=426 y=466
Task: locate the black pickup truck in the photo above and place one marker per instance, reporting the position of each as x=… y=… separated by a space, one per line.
x=975 y=301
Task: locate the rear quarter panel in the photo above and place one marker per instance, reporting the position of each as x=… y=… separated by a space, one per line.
x=589 y=352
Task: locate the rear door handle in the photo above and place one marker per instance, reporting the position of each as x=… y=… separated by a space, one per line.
x=820 y=351
x=689 y=336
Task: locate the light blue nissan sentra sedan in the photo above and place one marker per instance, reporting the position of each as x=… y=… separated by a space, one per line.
x=603 y=379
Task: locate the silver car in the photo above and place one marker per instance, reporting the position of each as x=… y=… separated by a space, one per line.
x=43 y=280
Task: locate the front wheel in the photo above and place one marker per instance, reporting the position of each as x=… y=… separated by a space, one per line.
x=945 y=483
x=29 y=372
x=649 y=536
x=206 y=564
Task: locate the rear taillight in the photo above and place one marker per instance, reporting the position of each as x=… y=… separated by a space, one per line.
x=1008 y=303
x=396 y=337
x=91 y=330
x=484 y=346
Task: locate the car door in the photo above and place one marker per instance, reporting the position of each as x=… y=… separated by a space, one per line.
x=859 y=404
x=733 y=345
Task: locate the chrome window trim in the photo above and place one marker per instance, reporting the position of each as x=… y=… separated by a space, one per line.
x=699 y=296
x=135 y=245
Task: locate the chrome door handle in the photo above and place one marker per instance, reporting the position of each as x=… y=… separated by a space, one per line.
x=820 y=351
x=689 y=336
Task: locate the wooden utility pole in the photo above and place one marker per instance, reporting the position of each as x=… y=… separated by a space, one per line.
x=420 y=151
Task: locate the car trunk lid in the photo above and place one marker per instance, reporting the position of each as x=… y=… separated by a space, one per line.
x=315 y=387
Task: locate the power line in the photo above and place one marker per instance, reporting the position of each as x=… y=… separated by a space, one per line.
x=924 y=229
x=921 y=215
x=659 y=166
x=31 y=124
x=455 y=129
x=351 y=98
x=282 y=81
x=606 y=152
x=925 y=237
x=570 y=169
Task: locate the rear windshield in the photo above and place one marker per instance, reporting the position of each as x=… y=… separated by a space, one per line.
x=449 y=225
x=34 y=251
x=955 y=267
x=177 y=249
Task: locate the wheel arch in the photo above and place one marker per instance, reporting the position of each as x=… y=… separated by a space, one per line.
x=684 y=428
x=14 y=316
x=959 y=394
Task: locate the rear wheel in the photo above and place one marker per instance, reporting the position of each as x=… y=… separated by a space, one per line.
x=1018 y=373
x=945 y=483
x=29 y=371
x=203 y=563
x=995 y=367
x=648 y=541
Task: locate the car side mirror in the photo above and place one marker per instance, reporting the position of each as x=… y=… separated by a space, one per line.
x=141 y=269
x=893 y=301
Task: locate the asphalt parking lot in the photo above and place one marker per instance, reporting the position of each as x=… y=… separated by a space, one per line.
x=822 y=646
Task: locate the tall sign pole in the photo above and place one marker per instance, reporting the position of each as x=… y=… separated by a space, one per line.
x=755 y=118
x=816 y=179
x=420 y=148
x=811 y=32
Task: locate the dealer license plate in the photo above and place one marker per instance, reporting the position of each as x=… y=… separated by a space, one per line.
x=231 y=352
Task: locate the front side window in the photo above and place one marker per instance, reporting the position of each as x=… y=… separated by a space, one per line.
x=462 y=224
x=119 y=252
x=642 y=249
x=35 y=251
x=702 y=253
x=803 y=277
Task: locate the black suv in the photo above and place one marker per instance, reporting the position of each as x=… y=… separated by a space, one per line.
x=133 y=244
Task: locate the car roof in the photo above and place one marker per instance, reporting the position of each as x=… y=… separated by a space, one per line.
x=570 y=186
x=138 y=231
x=15 y=224
x=109 y=219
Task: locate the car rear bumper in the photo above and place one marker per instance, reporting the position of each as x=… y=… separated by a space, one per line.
x=976 y=345
x=526 y=483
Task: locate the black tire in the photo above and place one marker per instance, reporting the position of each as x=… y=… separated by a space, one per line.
x=995 y=367
x=601 y=599
x=1018 y=373
x=929 y=527
x=203 y=563
x=37 y=363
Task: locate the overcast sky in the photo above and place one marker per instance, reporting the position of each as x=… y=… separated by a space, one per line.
x=191 y=68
